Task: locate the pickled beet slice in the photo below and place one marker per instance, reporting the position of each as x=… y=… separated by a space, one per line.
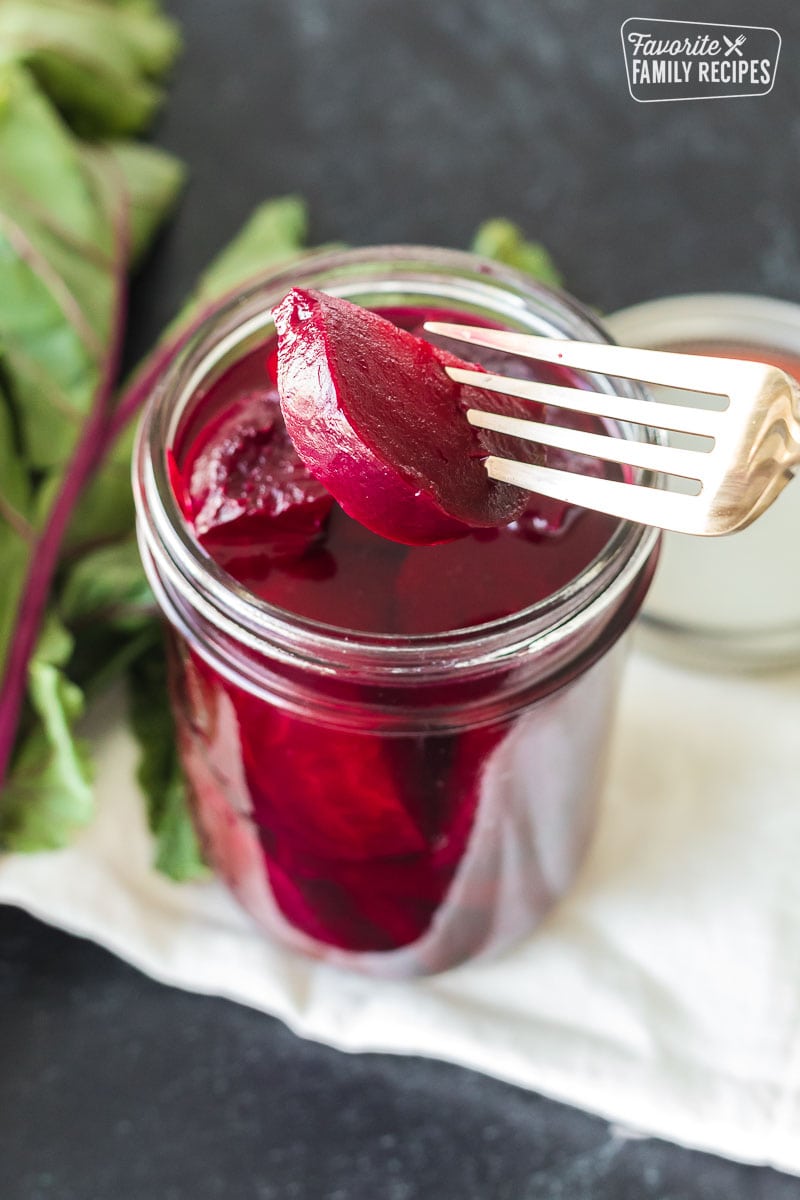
x=379 y=904
x=376 y=419
x=383 y=903
x=345 y=802
x=251 y=497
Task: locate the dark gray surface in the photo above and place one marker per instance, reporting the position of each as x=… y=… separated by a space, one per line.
x=413 y=120
x=113 y=1088
x=400 y=120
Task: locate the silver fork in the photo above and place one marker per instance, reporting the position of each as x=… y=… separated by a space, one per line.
x=756 y=439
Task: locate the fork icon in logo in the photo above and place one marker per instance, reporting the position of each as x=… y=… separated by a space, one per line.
x=734 y=46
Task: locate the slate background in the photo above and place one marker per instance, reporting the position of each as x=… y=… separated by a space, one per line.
x=399 y=120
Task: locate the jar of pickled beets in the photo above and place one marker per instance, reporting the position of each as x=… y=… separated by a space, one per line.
x=394 y=753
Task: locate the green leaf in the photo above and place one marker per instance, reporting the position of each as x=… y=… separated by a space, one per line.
x=151 y=181
x=59 y=288
x=177 y=848
x=109 y=585
x=98 y=62
x=57 y=283
x=107 y=604
x=105 y=510
x=48 y=794
x=502 y=240
x=70 y=217
x=178 y=852
x=274 y=233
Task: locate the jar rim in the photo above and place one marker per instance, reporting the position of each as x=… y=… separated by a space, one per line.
x=710 y=316
x=174 y=550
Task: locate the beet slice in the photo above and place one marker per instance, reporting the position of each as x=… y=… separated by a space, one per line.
x=376 y=419
x=328 y=792
x=380 y=904
x=251 y=497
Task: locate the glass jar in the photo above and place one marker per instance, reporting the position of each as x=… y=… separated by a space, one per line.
x=294 y=734
x=730 y=603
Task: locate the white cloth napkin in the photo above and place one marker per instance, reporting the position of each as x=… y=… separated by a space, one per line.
x=663 y=993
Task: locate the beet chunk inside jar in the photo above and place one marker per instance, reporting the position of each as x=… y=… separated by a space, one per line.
x=394 y=751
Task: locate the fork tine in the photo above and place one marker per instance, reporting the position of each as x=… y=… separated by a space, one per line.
x=628 y=501
x=692 y=372
x=703 y=421
x=667 y=460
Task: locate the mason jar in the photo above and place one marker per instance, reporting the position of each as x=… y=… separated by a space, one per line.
x=294 y=733
x=729 y=603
